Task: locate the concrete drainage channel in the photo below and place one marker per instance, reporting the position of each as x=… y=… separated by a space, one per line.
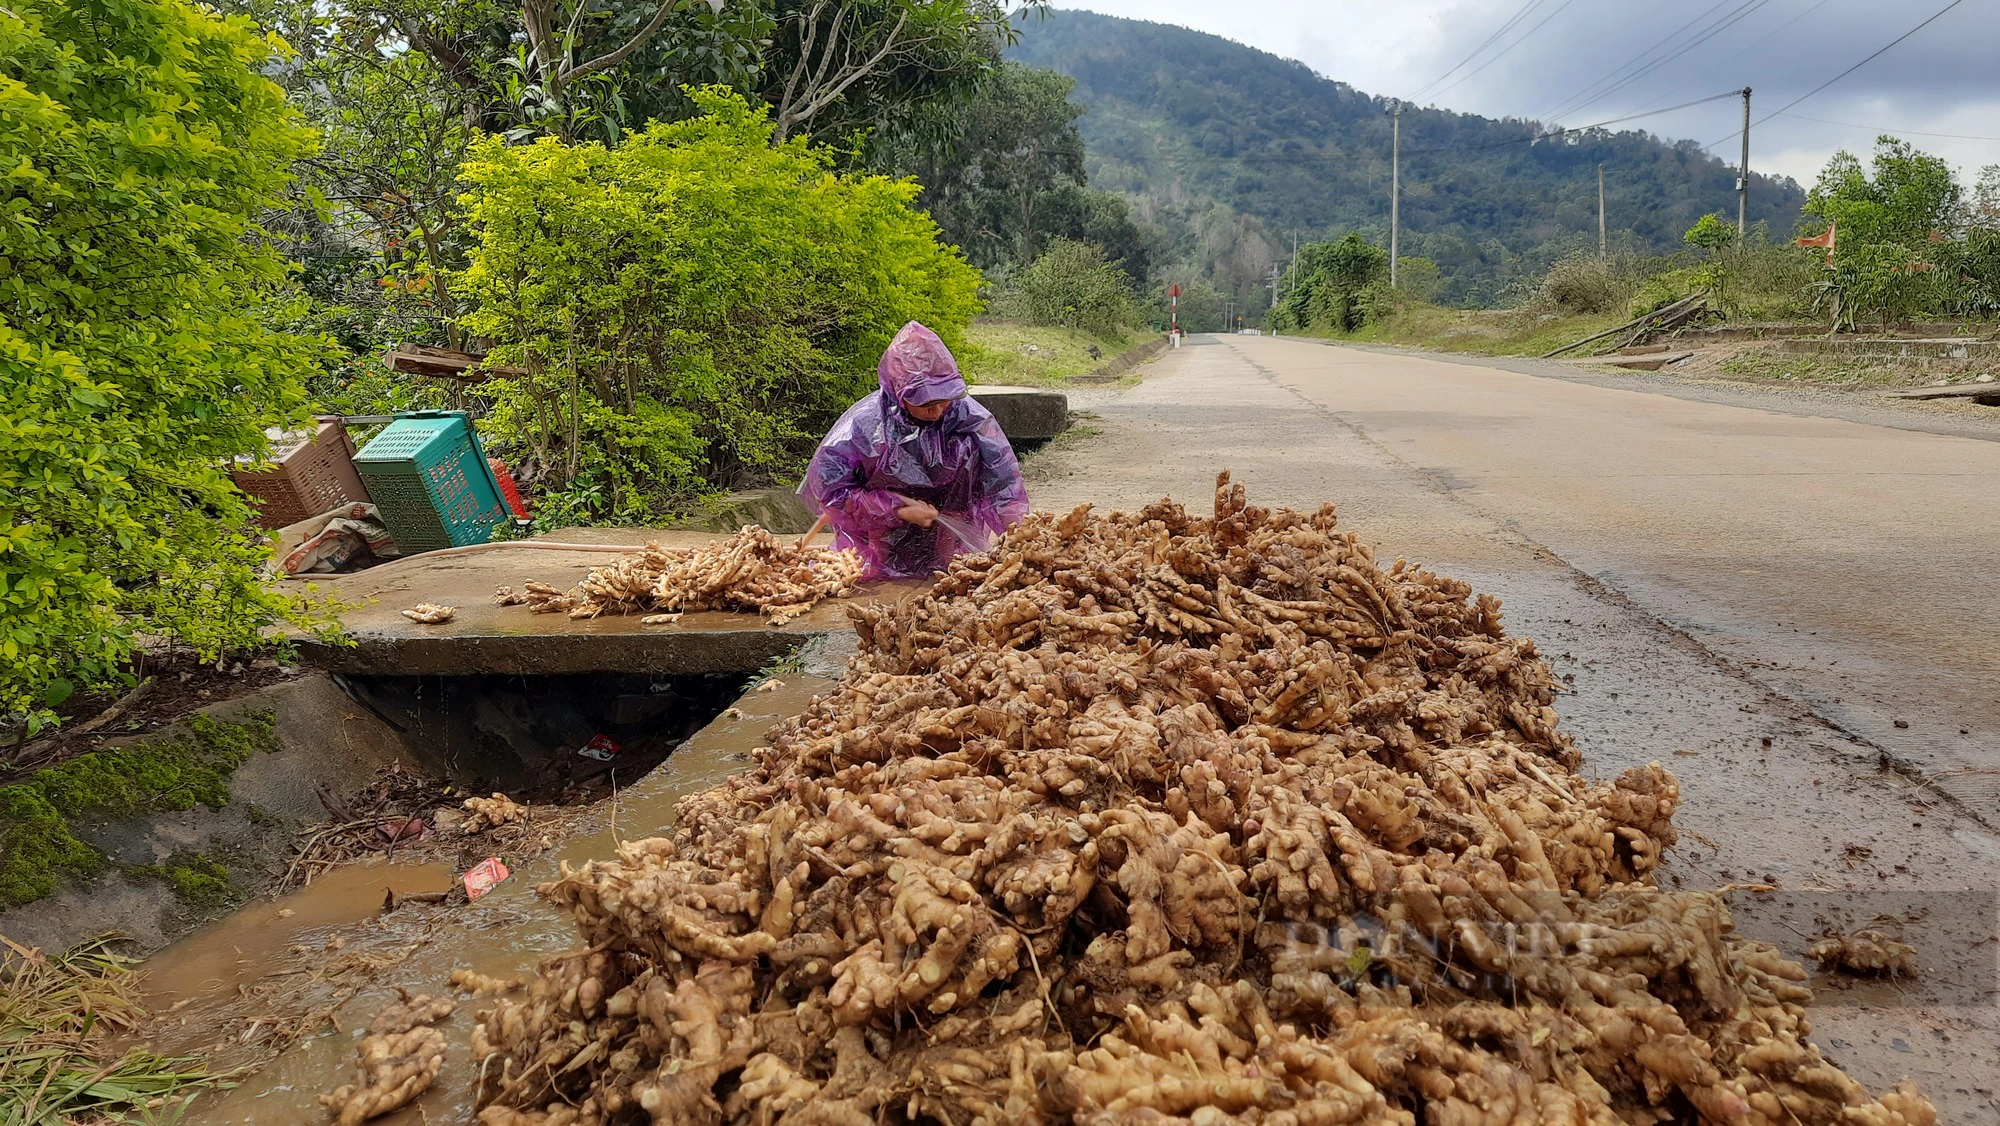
x=326 y=748
x=281 y=986
x=562 y=739
x=495 y=701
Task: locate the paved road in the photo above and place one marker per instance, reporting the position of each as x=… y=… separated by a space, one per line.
x=1750 y=596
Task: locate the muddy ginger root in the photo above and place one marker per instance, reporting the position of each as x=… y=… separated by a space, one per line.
x=491 y=813
x=1865 y=952
x=1173 y=817
x=472 y=981
x=399 y=1059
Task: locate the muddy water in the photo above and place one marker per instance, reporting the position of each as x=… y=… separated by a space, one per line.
x=194 y=976
x=505 y=933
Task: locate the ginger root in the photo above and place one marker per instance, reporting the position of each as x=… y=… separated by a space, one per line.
x=472 y=981
x=753 y=571
x=430 y=613
x=1167 y=817
x=1865 y=952
x=399 y=1059
x=491 y=813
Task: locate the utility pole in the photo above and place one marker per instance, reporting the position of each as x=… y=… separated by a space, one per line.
x=1396 y=193
x=1603 y=245
x=1743 y=177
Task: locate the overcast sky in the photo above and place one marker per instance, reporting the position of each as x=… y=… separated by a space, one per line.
x=1555 y=63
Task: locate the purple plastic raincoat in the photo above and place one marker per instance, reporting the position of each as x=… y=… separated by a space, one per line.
x=878 y=458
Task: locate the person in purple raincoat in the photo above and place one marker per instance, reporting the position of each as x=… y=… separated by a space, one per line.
x=918 y=472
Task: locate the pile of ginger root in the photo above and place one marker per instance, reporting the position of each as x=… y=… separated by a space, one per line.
x=751 y=571
x=1168 y=819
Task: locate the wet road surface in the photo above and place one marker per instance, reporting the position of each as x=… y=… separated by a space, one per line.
x=1751 y=597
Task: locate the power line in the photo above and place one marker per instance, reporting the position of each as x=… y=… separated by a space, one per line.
x=1709 y=33
x=1495 y=57
x=1577 y=128
x=1850 y=70
x=1887 y=129
x=1575 y=101
x=1751 y=46
x=1490 y=40
x=1864 y=62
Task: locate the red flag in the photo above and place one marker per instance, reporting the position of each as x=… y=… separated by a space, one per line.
x=1826 y=240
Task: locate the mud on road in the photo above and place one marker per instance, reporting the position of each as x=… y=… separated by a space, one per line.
x=1781 y=785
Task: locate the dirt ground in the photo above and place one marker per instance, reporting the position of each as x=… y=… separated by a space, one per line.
x=1782 y=603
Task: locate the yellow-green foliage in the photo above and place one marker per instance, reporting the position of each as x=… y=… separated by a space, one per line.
x=170 y=771
x=694 y=305
x=139 y=142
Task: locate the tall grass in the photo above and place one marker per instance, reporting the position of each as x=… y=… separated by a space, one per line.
x=57 y=1013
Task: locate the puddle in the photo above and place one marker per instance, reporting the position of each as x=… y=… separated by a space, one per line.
x=238 y=950
x=506 y=933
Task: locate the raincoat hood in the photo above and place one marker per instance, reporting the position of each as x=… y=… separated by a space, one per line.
x=917 y=368
x=878 y=458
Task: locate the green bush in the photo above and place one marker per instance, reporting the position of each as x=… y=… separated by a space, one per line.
x=139 y=141
x=693 y=307
x=1072 y=285
x=1581 y=283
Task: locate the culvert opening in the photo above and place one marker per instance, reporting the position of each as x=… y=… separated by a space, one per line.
x=564 y=739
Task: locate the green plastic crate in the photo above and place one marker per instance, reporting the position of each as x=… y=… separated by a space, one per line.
x=428 y=476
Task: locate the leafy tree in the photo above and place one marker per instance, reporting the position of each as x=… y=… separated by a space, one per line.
x=1071 y=285
x=1904 y=243
x=1334 y=286
x=692 y=306
x=835 y=68
x=1711 y=233
x=1912 y=197
x=141 y=141
x=1003 y=174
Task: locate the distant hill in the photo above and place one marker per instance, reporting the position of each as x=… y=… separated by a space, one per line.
x=1181 y=120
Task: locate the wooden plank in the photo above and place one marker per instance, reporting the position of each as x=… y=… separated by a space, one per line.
x=1954 y=391
x=1649 y=363
x=441 y=363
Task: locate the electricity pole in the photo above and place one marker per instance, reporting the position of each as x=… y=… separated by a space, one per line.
x=1603 y=246
x=1396 y=193
x=1743 y=177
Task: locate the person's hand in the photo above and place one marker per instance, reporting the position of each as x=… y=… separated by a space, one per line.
x=918 y=513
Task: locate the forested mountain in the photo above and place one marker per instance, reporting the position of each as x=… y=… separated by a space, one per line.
x=1233 y=151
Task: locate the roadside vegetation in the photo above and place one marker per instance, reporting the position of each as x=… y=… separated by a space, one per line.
x=61 y=1011
x=220 y=248
x=1912 y=246
x=1013 y=352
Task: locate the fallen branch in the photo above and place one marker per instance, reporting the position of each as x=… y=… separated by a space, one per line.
x=1678 y=306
